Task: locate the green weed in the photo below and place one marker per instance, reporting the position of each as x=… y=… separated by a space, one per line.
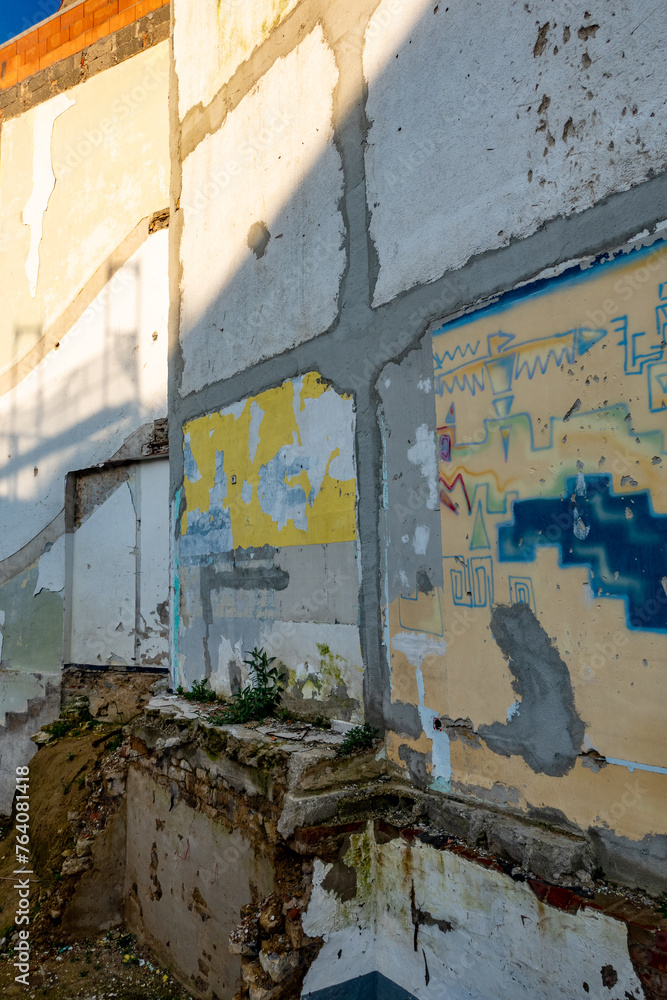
x=259 y=698
x=359 y=738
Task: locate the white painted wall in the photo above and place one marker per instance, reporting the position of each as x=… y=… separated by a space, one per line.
x=120 y=574
x=78 y=173
x=273 y=162
x=153 y=498
x=212 y=38
x=474 y=143
x=78 y=406
x=503 y=943
x=103 y=582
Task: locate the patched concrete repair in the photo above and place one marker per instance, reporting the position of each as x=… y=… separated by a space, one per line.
x=545 y=728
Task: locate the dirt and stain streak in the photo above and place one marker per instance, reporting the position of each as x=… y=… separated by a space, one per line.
x=422 y=918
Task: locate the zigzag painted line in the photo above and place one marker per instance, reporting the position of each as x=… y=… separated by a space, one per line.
x=458 y=351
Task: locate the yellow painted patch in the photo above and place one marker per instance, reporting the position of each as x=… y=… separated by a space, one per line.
x=254 y=440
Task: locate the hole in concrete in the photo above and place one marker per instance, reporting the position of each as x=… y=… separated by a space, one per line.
x=258 y=238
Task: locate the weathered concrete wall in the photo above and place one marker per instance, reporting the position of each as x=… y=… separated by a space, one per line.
x=271 y=179
x=186 y=879
x=118 y=567
x=437 y=924
x=83 y=354
x=57 y=154
x=537 y=651
x=475 y=143
x=443 y=158
x=266 y=554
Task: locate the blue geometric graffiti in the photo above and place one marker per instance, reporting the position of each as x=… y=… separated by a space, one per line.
x=521 y=591
x=471 y=580
x=618 y=537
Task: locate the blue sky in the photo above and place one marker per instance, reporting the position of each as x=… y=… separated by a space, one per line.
x=17 y=17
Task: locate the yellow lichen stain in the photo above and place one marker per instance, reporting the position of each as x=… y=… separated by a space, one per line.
x=279 y=11
x=361 y=857
x=271 y=421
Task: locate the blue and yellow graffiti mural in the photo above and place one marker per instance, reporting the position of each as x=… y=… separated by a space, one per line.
x=550 y=413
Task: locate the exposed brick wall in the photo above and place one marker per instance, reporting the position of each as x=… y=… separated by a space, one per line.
x=113 y=44
x=68 y=33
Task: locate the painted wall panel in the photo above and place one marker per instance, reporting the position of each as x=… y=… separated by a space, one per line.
x=103 y=582
x=262 y=245
x=80 y=403
x=90 y=162
x=266 y=544
x=544 y=643
x=438 y=925
x=118 y=592
x=212 y=38
x=475 y=143
x=153 y=591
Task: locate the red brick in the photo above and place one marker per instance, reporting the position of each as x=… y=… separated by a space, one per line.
x=125 y=5
x=28 y=69
x=48 y=29
x=55 y=41
x=154 y=4
x=10 y=63
x=121 y=20
x=540 y=889
x=658 y=960
x=90 y=6
x=143 y=7
x=71 y=48
x=105 y=13
x=70 y=16
x=82 y=26
x=9 y=57
x=9 y=79
x=7 y=52
x=101 y=31
x=36 y=51
x=27 y=41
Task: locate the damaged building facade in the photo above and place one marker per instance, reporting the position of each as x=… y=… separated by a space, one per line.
x=406 y=317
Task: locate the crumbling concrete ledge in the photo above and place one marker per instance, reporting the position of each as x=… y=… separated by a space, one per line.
x=226 y=826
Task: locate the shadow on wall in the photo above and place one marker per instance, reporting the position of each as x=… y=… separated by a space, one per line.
x=75 y=408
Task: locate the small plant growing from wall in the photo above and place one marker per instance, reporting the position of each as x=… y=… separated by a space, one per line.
x=260 y=697
x=358 y=739
x=200 y=691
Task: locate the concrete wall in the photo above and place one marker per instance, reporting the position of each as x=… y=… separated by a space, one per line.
x=454 y=220
x=266 y=554
x=417 y=302
x=83 y=352
x=185 y=880
x=434 y=924
x=119 y=568
x=531 y=641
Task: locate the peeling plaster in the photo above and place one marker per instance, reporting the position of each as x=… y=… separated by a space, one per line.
x=423 y=454
x=52 y=568
x=43 y=179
